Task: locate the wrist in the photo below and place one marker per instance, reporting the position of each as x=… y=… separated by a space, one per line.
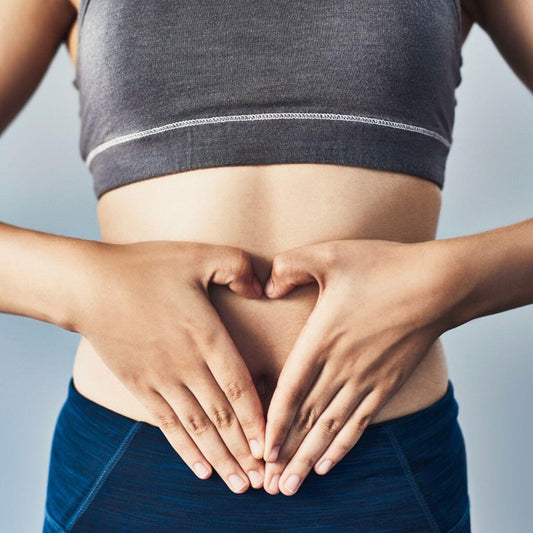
x=42 y=275
x=86 y=268
x=68 y=272
x=484 y=273
x=452 y=283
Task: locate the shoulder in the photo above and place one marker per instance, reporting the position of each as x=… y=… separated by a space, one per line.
x=509 y=23
x=469 y=8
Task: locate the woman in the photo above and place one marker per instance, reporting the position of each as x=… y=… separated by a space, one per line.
x=231 y=145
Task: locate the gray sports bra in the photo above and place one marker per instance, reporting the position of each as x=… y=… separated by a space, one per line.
x=169 y=85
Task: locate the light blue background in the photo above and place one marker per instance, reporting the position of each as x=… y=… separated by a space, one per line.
x=45 y=186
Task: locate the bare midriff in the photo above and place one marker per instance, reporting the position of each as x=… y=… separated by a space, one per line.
x=265 y=209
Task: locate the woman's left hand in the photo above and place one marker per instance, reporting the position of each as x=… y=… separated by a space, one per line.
x=381 y=306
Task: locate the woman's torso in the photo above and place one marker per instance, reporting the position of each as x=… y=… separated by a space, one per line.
x=265 y=209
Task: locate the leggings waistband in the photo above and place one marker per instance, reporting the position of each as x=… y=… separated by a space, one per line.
x=114 y=473
x=438 y=415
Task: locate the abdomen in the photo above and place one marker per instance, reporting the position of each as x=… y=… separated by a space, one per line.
x=265 y=209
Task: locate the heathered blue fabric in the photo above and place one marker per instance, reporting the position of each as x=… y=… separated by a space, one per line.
x=112 y=474
x=368 y=68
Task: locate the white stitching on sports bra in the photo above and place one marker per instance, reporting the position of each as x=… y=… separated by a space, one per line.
x=263 y=116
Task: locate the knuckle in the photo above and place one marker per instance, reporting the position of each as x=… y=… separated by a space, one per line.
x=189 y=324
x=220 y=463
x=199 y=334
x=342 y=448
x=307 y=461
x=295 y=396
x=240 y=263
x=361 y=422
x=137 y=382
x=305 y=420
x=282 y=264
x=331 y=254
x=209 y=336
x=166 y=421
x=169 y=383
x=223 y=460
x=330 y=425
x=222 y=417
x=397 y=379
x=234 y=391
x=247 y=423
x=242 y=456
x=196 y=424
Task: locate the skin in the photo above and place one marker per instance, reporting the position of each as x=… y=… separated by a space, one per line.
x=266 y=221
x=381 y=305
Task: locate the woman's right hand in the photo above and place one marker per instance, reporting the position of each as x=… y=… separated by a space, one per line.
x=147 y=313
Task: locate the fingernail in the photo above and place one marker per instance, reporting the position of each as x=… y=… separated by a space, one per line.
x=324 y=466
x=200 y=469
x=236 y=482
x=269 y=286
x=255 y=478
x=256 y=449
x=292 y=483
x=273 y=454
x=274 y=483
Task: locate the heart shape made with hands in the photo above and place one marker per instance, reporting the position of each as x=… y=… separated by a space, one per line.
x=378 y=312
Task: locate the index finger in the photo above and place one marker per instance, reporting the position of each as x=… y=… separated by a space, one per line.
x=233 y=377
x=300 y=371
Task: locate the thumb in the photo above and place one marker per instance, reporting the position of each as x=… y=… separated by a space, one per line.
x=297 y=266
x=233 y=267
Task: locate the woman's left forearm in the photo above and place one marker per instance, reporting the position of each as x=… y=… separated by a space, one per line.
x=486 y=273
x=381 y=306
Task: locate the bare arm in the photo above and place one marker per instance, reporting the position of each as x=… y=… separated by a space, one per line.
x=381 y=306
x=497 y=265
x=509 y=23
x=31 y=32
x=86 y=286
x=489 y=272
x=38 y=271
x=41 y=274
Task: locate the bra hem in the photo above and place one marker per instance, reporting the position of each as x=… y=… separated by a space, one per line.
x=301 y=138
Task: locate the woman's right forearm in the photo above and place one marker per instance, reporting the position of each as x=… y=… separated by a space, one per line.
x=42 y=275
x=145 y=309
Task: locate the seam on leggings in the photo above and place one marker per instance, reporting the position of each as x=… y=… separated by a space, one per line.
x=103 y=475
x=411 y=479
x=461 y=522
x=53 y=523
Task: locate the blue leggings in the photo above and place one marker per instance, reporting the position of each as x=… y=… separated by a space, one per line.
x=109 y=473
